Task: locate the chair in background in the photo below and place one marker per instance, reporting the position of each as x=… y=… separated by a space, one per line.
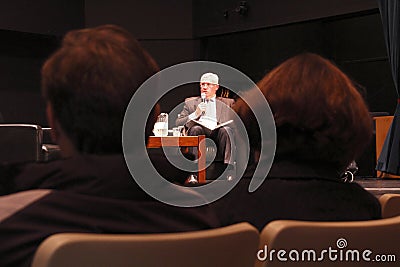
x=20 y=142
x=234 y=245
x=50 y=150
x=390 y=204
x=348 y=239
x=24 y=143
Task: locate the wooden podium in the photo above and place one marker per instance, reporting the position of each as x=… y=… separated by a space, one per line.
x=184 y=141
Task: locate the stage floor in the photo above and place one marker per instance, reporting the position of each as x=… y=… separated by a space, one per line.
x=379 y=186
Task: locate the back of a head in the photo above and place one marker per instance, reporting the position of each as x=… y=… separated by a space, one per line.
x=320 y=116
x=89 y=82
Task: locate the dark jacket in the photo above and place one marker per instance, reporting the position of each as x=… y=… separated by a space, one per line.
x=94 y=194
x=299 y=192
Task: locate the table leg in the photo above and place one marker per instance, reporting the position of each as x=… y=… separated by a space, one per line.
x=201 y=159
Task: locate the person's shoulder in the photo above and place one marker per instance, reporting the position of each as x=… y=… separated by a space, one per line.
x=52 y=173
x=26 y=171
x=227 y=101
x=13 y=203
x=192 y=98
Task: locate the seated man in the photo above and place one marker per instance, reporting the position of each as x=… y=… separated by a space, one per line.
x=209 y=108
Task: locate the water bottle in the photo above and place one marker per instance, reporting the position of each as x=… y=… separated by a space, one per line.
x=161 y=126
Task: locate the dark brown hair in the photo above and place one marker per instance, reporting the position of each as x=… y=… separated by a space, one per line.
x=89 y=82
x=319 y=114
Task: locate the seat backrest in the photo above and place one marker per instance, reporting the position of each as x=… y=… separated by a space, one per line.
x=20 y=142
x=390 y=205
x=306 y=243
x=232 y=246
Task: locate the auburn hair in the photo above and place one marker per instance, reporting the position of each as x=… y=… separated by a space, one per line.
x=319 y=114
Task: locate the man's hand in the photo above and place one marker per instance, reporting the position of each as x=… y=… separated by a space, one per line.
x=201 y=108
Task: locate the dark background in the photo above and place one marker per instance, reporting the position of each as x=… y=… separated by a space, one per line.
x=347 y=31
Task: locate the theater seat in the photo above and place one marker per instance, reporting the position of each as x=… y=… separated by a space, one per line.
x=233 y=246
x=334 y=243
x=390 y=204
x=20 y=142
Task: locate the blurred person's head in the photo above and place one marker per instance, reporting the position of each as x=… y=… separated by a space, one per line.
x=320 y=116
x=87 y=84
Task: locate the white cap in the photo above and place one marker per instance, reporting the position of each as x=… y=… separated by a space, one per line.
x=209 y=78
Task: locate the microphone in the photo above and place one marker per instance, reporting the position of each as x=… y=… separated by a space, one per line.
x=203 y=97
x=203 y=100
